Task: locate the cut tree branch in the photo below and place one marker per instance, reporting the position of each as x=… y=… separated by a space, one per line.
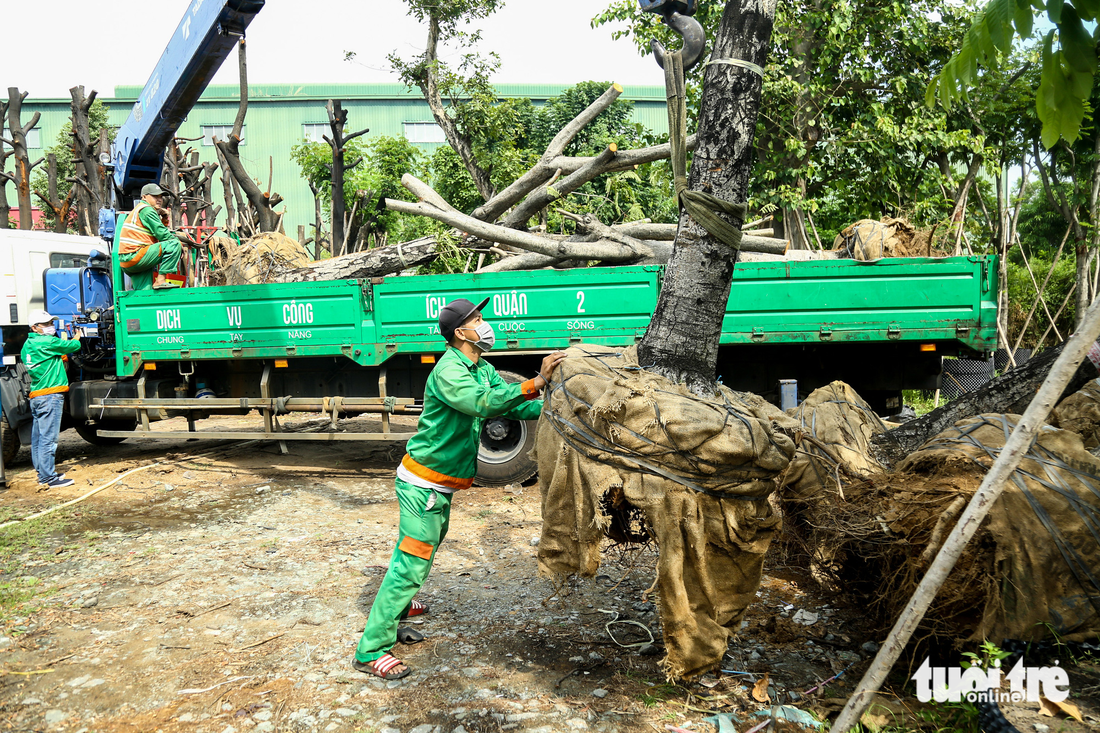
x=608 y=252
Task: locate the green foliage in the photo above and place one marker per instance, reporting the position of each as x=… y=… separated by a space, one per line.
x=843 y=131
x=1068 y=60
x=988 y=655
x=385 y=160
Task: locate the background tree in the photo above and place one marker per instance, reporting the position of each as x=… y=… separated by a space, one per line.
x=74 y=149
x=5 y=153
x=385 y=160
x=436 y=80
x=262 y=212
x=21 y=176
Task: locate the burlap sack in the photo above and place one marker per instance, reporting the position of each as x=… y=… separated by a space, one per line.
x=261 y=259
x=1045 y=528
x=615 y=440
x=834 y=442
x=868 y=239
x=1080 y=413
x=1034 y=561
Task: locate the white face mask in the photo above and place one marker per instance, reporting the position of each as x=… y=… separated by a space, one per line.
x=485 y=336
x=49 y=331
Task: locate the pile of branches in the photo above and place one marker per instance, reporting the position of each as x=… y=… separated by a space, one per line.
x=500 y=226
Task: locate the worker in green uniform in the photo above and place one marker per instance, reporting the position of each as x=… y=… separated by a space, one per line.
x=147 y=249
x=44 y=356
x=462 y=391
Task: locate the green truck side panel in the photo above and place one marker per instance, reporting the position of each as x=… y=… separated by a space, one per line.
x=928 y=300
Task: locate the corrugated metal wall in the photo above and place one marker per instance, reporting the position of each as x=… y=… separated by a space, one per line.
x=277 y=113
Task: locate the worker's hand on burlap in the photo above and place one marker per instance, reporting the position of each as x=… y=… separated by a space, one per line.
x=550 y=363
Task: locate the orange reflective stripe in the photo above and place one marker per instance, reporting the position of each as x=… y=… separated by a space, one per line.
x=135 y=259
x=48 y=390
x=435 y=477
x=416 y=548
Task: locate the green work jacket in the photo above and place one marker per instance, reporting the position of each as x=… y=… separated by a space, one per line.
x=41 y=355
x=458 y=397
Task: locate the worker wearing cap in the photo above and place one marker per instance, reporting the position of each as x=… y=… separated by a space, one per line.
x=462 y=391
x=147 y=249
x=44 y=356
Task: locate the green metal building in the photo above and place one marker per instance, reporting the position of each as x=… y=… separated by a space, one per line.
x=280 y=116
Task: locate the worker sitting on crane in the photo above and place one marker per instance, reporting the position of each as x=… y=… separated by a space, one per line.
x=147 y=248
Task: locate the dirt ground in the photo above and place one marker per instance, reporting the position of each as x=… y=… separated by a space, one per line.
x=224 y=590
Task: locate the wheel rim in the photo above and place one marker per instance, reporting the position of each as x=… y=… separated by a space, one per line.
x=502 y=440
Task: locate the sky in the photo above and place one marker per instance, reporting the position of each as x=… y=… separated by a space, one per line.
x=103 y=43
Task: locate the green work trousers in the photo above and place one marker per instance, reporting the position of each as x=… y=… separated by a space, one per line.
x=425 y=515
x=159 y=257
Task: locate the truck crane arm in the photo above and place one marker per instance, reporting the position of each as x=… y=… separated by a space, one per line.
x=208 y=32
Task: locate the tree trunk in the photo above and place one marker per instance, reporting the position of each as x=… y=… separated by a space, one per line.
x=88 y=171
x=23 y=164
x=371 y=263
x=429 y=85
x=5 y=177
x=682 y=341
x=59 y=208
x=263 y=203
x=337 y=118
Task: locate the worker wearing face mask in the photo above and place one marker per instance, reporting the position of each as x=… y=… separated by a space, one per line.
x=44 y=355
x=462 y=391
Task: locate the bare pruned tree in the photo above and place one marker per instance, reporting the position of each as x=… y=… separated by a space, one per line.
x=337 y=118
x=89 y=175
x=262 y=202
x=52 y=199
x=21 y=177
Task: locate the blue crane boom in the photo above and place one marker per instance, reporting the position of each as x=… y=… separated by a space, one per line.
x=208 y=32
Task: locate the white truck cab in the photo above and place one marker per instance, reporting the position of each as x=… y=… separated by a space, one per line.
x=24 y=258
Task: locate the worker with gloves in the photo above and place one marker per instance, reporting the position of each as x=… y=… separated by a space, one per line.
x=462 y=391
x=147 y=249
x=44 y=355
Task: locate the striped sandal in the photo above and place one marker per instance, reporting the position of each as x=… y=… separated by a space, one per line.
x=382 y=667
x=416 y=608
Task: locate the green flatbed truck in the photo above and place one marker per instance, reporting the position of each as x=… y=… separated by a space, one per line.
x=367 y=346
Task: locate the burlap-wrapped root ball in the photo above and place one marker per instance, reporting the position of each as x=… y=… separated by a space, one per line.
x=1031 y=570
x=615 y=437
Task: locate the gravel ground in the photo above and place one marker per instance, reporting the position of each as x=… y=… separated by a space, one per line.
x=226 y=593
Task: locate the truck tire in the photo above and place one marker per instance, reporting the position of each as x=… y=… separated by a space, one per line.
x=502 y=458
x=88 y=432
x=9 y=439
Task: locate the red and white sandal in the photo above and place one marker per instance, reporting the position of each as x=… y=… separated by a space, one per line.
x=416 y=608
x=382 y=667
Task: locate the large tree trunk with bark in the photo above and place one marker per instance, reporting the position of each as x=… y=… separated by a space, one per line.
x=370 y=263
x=23 y=164
x=682 y=341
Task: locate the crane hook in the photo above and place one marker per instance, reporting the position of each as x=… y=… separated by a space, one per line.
x=695 y=39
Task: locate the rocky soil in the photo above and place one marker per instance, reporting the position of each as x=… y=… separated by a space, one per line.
x=224 y=590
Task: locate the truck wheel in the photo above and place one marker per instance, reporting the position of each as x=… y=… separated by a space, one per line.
x=502 y=456
x=9 y=439
x=88 y=432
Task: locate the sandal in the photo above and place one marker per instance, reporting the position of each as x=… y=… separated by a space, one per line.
x=382 y=667
x=415 y=608
x=405 y=635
